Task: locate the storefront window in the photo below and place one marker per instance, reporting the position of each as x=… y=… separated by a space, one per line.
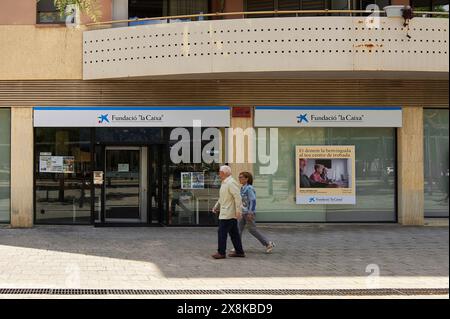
x=5 y=165
x=63 y=175
x=193 y=190
x=375 y=177
x=436 y=162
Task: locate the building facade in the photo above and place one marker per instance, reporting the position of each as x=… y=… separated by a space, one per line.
x=126 y=121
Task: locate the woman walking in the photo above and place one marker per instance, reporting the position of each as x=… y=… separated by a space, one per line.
x=248 y=195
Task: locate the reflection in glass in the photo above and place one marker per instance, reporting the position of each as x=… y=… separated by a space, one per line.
x=64 y=196
x=122 y=184
x=5 y=164
x=375 y=177
x=193 y=190
x=436 y=164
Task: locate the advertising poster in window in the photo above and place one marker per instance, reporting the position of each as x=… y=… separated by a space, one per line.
x=185 y=180
x=69 y=164
x=198 y=180
x=325 y=175
x=56 y=164
x=50 y=164
x=192 y=180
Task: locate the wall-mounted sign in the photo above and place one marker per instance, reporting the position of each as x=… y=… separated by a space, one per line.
x=325 y=175
x=56 y=164
x=241 y=111
x=318 y=116
x=131 y=116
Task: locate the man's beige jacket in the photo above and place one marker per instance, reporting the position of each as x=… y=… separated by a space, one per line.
x=229 y=199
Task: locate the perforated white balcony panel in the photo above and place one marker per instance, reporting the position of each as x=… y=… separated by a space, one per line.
x=266 y=45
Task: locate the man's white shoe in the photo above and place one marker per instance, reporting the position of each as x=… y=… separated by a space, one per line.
x=269 y=247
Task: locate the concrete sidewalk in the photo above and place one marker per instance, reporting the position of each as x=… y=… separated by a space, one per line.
x=306 y=257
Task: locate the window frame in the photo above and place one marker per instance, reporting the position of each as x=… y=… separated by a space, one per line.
x=167 y=9
x=91 y=189
x=8 y=222
x=428 y=213
x=38 y=20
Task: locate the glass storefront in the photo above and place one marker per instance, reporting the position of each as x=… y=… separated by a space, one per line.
x=375 y=177
x=5 y=165
x=142 y=183
x=131 y=159
x=193 y=189
x=436 y=162
x=63 y=175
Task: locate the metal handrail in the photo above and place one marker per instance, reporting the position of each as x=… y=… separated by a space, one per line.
x=247 y=13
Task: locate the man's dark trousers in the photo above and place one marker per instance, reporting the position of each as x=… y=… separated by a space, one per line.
x=229 y=226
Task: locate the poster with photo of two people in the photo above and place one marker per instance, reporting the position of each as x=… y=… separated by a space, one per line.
x=325 y=175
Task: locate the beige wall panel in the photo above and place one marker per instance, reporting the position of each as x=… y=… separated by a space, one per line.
x=410 y=166
x=21 y=167
x=40 y=52
x=243 y=123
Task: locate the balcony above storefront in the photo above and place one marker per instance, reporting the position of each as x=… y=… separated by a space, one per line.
x=285 y=47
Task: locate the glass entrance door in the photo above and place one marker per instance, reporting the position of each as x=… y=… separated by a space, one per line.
x=125 y=184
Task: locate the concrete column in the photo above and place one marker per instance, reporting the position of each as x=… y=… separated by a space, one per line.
x=410 y=168
x=242 y=123
x=22 y=167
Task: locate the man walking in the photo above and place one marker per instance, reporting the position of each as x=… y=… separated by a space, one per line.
x=229 y=205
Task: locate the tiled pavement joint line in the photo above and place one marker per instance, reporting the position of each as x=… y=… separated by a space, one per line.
x=286 y=292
